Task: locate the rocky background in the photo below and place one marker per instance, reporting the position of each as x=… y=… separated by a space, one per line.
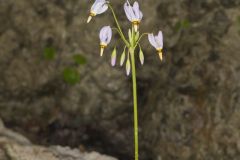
x=56 y=90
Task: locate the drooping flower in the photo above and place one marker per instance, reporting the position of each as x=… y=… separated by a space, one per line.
x=105 y=36
x=133 y=14
x=157 y=42
x=98 y=7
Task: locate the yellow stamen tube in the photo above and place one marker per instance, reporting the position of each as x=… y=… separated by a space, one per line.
x=135 y=25
x=102 y=49
x=89 y=19
x=160 y=54
x=91 y=15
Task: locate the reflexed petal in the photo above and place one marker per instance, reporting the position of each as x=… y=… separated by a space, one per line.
x=108 y=34
x=102 y=9
x=102 y=34
x=100 y=1
x=96 y=6
x=151 y=39
x=136 y=10
x=130 y=11
x=99 y=7
x=140 y=15
x=160 y=39
x=126 y=9
x=96 y=2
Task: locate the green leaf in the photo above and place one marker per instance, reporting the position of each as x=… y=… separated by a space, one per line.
x=49 y=53
x=122 y=59
x=71 y=76
x=141 y=56
x=185 y=24
x=182 y=24
x=177 y=26
x=79 y=59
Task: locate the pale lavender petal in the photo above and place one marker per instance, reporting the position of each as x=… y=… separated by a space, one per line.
x=130 y=11
x=136 y=10
x=103 y=33
x=126 y=9
x=101 y=1
x=152 y=41
x=140 y=15
x=96 y=7
x=160 y=38
x=108 y=34
x=102 y=9
x=99 y=7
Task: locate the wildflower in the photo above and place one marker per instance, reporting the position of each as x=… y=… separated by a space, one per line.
x=157 y=42
x=98 y=7
x=105 y=37
x=133 y=14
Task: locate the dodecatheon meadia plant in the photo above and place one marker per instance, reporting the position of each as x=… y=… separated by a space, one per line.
x=131 y=45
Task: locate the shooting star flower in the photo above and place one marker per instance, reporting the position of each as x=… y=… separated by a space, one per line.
x=157 y=42
x=98 y=7
x=133 y=14
x=105 y=38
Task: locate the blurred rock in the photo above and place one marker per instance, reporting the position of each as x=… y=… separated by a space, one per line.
x=188 y=105
x=14 y=146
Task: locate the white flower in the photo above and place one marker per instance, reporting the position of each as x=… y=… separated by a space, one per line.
x=105 y=36
x=98 y=7
x=157 y=42
x=133 y=14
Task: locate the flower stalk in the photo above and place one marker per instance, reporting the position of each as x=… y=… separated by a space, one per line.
x=135 y=107
x=134 y=15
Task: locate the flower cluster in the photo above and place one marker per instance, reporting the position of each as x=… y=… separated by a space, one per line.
x=134 y=15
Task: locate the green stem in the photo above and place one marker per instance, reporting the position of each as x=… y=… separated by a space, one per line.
x=141 y=38
x=118 y=26
x=135 y=109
